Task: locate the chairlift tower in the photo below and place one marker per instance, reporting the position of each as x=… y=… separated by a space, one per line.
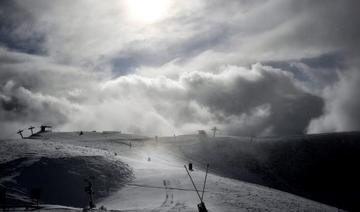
x=214 y=129
x=31 y=129
x=20 y=133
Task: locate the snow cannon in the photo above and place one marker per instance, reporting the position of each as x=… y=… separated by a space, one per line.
x=201 y=206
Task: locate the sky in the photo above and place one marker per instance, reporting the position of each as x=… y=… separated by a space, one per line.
x=164 y=67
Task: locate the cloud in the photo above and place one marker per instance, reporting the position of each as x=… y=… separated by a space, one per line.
x=233 y=30
x=236 y=99
x=342 y=106
x=261 y=90
x=34 y=90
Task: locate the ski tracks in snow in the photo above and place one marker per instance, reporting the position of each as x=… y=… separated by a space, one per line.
x=170 y=203
x=169 y=198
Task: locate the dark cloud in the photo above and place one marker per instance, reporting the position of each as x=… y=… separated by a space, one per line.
x=16 y=29
x=239 y=94
x=315 y=72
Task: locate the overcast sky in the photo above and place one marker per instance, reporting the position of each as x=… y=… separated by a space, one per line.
x=162 y=67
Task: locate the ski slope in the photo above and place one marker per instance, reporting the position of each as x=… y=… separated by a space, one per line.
x=158 y=184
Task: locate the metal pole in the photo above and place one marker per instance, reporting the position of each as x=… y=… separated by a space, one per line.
x=202 y=195
x=193 y=183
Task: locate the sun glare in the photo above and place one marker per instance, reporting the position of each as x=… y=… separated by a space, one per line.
x=147 y=11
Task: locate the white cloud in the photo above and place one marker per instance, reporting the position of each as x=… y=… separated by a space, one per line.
x=342 y=106
x=236 y=99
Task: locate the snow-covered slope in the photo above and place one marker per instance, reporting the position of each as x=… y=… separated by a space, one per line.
x=150 y=174
x=59 y=170
x=320 y=167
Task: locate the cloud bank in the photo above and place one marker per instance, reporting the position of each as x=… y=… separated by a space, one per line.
x=240 y=101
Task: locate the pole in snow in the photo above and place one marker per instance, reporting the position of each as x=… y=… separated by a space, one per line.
x=207 y=169
x=197 y=192
x=90 y=192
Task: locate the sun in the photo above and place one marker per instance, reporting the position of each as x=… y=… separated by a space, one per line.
x=147 y=11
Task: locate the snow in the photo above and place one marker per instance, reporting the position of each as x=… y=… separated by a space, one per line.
x=160 y=184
